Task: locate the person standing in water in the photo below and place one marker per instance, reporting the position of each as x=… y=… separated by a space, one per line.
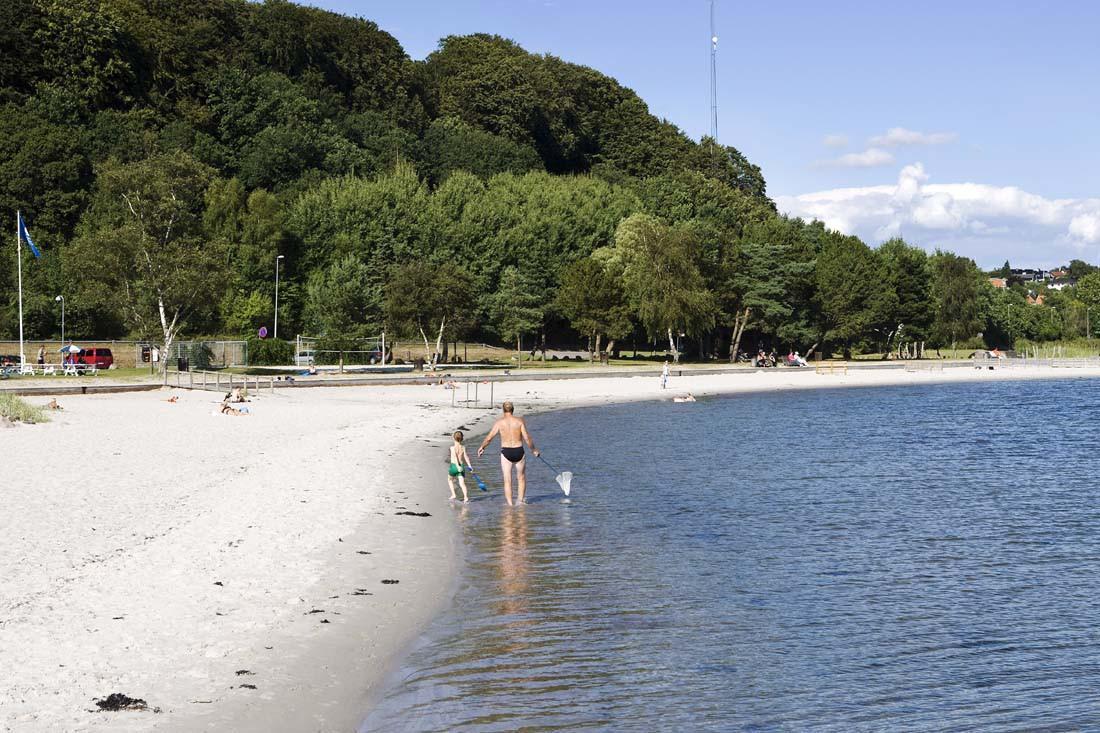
x=458 y=456
x=513 y=434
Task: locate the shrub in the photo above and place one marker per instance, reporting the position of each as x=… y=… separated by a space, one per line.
x=18 y=410
x=270 y=352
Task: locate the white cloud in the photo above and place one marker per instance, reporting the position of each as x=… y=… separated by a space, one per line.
x=896 y=136
x=870 y=158
x=836 y=141
x=986 y=222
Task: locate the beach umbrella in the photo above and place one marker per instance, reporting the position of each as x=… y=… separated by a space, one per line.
x=70 y=349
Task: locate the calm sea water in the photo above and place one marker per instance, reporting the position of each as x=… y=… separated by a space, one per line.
x=923 y=558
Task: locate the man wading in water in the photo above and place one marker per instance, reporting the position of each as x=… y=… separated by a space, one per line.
x=513 y=433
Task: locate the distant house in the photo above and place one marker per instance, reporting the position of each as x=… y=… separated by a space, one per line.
x=1035 y=299
x=998 y=282
x=1059 y=274
x=1031 y=276
x=1063 y=283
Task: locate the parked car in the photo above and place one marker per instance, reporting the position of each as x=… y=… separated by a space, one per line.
x=100 y=358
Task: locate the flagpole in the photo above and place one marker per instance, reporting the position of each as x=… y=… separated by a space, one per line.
x=19 y=266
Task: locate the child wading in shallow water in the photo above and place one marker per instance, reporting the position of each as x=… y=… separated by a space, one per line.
x=458 y=457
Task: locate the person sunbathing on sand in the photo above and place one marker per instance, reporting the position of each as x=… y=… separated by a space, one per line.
x=689 y=398
x=52 y=405
x=173 y=399
x=227 y=410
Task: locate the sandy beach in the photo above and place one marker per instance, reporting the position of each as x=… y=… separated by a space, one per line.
x=230 y=570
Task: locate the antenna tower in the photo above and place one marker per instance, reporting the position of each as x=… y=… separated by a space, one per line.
x=713 y=76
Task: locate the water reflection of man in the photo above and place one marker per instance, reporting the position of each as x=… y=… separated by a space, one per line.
x=513 y=570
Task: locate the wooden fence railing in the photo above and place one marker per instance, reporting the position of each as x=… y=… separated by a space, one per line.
x=216 y=381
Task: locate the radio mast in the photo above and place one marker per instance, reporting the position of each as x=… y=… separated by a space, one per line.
x=713 y=76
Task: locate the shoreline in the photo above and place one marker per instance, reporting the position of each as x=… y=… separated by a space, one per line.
x=356 y=455
x=204 y=549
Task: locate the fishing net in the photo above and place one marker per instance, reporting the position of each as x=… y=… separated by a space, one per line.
x=564 y=479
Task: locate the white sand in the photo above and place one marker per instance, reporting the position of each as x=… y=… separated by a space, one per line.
x=121 y=515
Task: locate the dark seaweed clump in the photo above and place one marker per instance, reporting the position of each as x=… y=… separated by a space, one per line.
x=117 y=701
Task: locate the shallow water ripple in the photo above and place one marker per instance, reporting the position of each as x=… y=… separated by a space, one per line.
x=922 y=558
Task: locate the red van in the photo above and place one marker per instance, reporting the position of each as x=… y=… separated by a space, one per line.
x=98 y=357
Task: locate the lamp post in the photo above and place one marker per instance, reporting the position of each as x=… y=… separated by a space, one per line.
x=276 y=335
x=61 y=299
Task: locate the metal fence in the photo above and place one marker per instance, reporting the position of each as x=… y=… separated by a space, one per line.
x=210 y=354
x=128 y=354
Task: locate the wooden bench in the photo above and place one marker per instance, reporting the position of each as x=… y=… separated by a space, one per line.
x=831 y=369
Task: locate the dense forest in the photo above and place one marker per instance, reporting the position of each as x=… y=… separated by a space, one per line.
x=165 y=153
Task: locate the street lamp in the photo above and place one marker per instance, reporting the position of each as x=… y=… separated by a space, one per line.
x=61 y=299
x=277 y=295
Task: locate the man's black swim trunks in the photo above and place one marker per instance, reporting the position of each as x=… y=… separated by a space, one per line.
x=515 y=455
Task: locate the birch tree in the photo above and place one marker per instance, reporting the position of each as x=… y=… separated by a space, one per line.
x=662 y=280
x=143 y=239
x=423 y=298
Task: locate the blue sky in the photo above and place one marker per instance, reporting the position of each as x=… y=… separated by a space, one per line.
x=992 y=106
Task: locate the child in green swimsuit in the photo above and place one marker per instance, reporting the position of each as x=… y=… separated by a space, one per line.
x=458 y=457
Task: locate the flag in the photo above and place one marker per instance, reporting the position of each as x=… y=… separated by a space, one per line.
x=25 y=236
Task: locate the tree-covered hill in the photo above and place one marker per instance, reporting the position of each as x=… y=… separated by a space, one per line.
x=165 y=153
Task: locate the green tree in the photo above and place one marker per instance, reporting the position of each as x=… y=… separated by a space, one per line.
x=662 y=280
x=853 y=289
x=343 y=304
x=515 y=310
x=451 y=144
x=381 y=220
x=85 y=53
x=752 y=290
x=1078 y=269
x=143 y=240
x=1087 y=290
x=245 y=314
x=955 y=288
x=44 y=171
x=421 y=294
x=910 y=278
x=728 y=165
x=593 y=300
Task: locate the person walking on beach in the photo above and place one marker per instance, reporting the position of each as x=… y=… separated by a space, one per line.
x=664 y=375
x=455 y=470
x=513 y=434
